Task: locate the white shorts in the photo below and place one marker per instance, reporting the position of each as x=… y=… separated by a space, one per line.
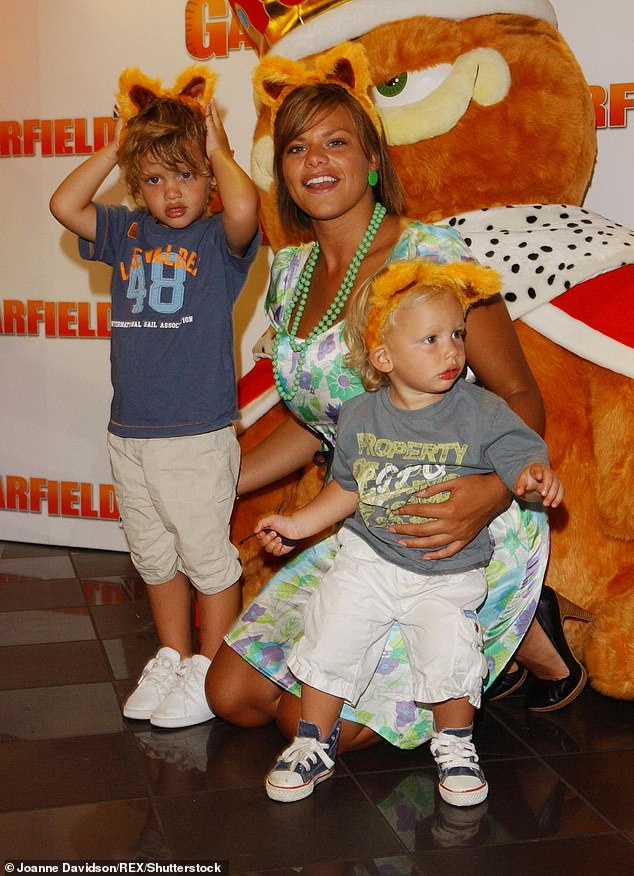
x=349 y=616
x=175 y=498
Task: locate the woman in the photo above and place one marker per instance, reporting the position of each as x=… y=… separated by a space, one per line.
x=334 y=178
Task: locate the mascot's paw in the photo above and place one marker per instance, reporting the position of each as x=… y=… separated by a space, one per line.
x=608 y=648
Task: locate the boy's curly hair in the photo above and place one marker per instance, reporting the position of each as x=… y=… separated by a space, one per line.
x=168 y=131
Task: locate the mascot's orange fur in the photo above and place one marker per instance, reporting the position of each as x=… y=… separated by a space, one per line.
x=530 y=142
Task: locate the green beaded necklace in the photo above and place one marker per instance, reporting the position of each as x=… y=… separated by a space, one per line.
x=300 y=297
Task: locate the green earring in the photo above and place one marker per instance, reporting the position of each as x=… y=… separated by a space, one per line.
x=373 y=177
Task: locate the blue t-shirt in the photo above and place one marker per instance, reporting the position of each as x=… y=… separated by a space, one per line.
x=173 y=292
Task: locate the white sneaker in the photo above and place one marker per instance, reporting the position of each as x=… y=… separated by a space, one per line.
x=158 y=677
x=461 y=781
x=186 y=703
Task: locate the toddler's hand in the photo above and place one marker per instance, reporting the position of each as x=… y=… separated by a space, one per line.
x=542 y=481
x=277 y=534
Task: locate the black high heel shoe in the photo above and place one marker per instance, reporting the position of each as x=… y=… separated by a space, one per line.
x=506 y=684
x=547 y=695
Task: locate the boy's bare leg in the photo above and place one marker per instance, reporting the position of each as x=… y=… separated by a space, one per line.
x=461 y=781
x=217 y=612
x=453 y=714
x=170 y=604
x=320 y=708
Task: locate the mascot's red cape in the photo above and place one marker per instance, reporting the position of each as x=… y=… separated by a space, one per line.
x=484 y=106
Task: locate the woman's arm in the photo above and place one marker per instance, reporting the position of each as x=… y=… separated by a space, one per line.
x=496 y=358
x=495 y=355
x=288 y=448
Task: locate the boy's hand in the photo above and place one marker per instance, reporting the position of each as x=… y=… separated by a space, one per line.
x=112 y=147
x=542 y=482
x=216 y=135
x=270 y=530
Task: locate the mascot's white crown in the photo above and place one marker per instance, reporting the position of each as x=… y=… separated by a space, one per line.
x=297 y=29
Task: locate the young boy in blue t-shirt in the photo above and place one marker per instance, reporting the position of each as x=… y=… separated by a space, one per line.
x=177 y=273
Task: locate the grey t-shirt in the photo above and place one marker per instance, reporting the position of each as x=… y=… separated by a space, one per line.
x=388 y=454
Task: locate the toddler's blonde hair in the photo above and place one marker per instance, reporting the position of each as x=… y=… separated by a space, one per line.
x=374 y=309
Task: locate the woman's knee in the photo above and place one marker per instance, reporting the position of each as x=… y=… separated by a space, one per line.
x=355 y=737
x=238 y=693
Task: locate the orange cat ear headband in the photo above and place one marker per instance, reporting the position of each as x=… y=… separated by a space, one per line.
x=136 y=90
x=468 y=281
x=346 y=65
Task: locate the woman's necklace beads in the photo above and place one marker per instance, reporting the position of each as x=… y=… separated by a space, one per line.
x=300 y=297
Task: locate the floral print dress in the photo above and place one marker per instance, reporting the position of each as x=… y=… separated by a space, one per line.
x=268 y=628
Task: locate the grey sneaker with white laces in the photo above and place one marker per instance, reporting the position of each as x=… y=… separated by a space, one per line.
x=461 y=780
x=305 y=763
x=157 y=679
x=186 y=703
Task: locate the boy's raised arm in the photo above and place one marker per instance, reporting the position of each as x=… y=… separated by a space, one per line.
x=239 y=196
x=71 y=203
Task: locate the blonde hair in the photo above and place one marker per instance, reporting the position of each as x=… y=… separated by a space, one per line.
x=168 y=131
x=374 y=309
x=358 y=357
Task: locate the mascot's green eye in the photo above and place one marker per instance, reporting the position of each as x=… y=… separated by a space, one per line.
x=394 y=86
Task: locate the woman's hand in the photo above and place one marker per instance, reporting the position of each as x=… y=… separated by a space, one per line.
x=474 y=500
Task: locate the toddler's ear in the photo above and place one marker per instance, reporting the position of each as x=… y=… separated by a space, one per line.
x=380 y=359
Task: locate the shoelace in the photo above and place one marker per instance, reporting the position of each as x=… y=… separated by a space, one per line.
x=159 y=672
x=452 y=751
x=305 y=751
x=186 y=676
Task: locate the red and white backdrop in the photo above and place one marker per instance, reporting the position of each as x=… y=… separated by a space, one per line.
x=60 y=63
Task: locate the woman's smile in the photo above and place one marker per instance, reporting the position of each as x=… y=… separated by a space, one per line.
x=320 y=182
x=325 y=159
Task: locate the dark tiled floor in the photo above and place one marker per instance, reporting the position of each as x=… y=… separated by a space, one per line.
x=78 y=782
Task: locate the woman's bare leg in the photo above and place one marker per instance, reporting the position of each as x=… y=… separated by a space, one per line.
x=537 y=653
x=239 y=693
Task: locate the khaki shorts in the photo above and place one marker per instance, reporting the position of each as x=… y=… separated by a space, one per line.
x=175 y=497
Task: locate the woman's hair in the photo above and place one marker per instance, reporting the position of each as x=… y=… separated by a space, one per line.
x=303 y=108
x=358 y=358
x=168 y=131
